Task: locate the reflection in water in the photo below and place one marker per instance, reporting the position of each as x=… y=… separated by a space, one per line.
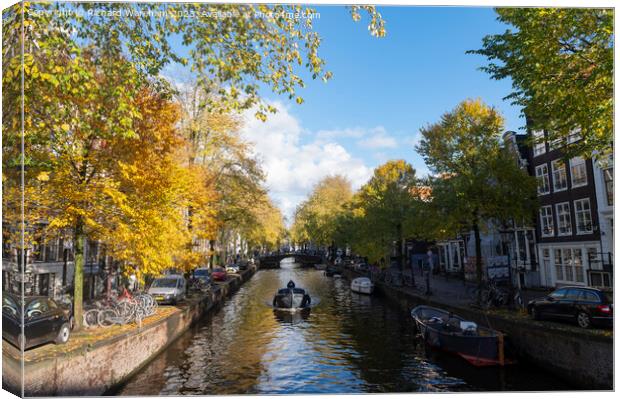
x=291 y=317
x=347 y=343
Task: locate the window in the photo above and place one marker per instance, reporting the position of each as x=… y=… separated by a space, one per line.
x=558 y=294
x=574 y=136
x=559 y=268
x=559 y=175
x=555 y=143
x=578 y=265
x=37 y=307
x=542 y=175
x=569 y=264
x=589 y=296
x=546 y=221
x=9 y=306
x=562 y=212
x=608 y=177
x=579 y=176
x=583 y=216
x=539 y=143
x=573 y=294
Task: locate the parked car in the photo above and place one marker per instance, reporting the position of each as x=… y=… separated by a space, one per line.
x=168 y=289
x=219 y=274
x=232 y=269
x=203 y=274
x=584 y=305
x=44 y=321
x=243 y=265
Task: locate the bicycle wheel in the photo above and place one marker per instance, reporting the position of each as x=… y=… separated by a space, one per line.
x=90 y=318
x=107 y=317
x=125 y=310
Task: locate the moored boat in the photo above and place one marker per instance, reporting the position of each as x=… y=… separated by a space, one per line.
x=332 y=271
x=443 y=330
x=291 y=298
x=362 y=285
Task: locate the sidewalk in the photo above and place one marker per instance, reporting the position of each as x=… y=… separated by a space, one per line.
x=458 y=292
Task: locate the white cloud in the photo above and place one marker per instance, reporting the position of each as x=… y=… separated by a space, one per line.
x=378 y=139
x=355 y=133
x=292 y=168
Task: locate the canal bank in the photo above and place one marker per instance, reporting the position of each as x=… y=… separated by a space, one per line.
x=581 y=357
x=92 y=364
x=347 y=343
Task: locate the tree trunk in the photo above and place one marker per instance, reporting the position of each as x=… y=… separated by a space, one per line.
x=478 y=259
x=399 y=232
x=211 y=253
x=78 y=275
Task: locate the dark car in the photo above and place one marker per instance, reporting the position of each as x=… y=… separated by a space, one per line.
x=584 y=305
x=44 y=321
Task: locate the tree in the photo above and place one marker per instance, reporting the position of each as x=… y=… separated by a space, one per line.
x=561 y=64
x=239 y=47
x=478 y=179
x=80 y=71
x=268 y=229
x=315 y=218
x=380 y=209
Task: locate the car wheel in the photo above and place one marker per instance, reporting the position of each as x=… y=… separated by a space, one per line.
x=63 y=334
x=583 y=320
x=535 y=314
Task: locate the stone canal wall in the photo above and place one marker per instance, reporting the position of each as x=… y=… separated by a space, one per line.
x=584 y=358
x=94 y=368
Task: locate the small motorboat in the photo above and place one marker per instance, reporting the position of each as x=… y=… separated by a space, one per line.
x=291 y=298
x=362 y=285
x=443 y=330
x=332 y=271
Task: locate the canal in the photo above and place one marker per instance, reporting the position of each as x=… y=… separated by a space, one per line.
x=348 y=343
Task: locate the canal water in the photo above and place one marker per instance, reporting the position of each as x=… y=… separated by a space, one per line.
x=348 y=343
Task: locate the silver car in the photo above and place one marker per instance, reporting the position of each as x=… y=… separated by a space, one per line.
x=168 y=289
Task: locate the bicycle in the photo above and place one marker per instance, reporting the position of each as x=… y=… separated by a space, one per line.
x=489 y=294
x=408 y=279
x=122 y=310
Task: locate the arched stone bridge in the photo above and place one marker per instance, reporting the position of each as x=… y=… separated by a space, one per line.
x=273 y=261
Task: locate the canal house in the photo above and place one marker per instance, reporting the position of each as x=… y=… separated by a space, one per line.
x=575 y=219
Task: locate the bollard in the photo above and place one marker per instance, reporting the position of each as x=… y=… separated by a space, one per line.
x=500 y=348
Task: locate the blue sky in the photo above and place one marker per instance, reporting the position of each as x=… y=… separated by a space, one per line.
x=383 y=91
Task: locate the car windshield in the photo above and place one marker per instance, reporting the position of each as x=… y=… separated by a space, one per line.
x=218 y=269
x=9 y=306
x=165 y=283
x=201 y=272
